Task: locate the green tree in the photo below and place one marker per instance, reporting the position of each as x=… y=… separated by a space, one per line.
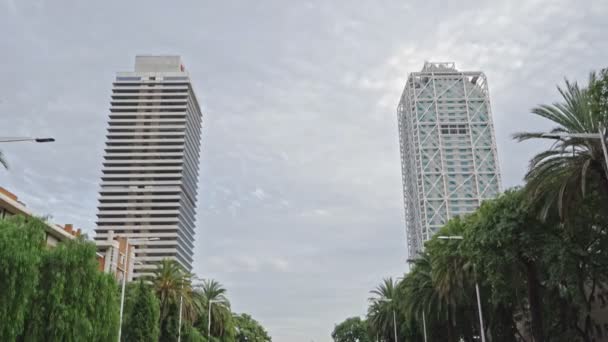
x=172 y=285
x=74 y=301
x=169 y=326
x=419 y=298
x=211 y=292
x=142 y=315
x=575 y=263
x=559 y=176
x=383 y=304
x=598 y=92
x=505 y=241
x=453 y=279
x=21 y=245
x=353 y=329
x=249 y=330
x=191 y=334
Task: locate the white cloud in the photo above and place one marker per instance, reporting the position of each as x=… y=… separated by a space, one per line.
x=259 y=193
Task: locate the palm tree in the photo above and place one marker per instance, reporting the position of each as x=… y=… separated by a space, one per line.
x=211 y=292
x=383 y=305
x=419 y=296
x=173 y=285
x=452 y=278
x=3 y=161
x=559 y=175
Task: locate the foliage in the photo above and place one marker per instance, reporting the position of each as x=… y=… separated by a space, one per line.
x=74 y=302
x=351 y=330
x=171 y=284
x=210 y=291
x=505 y=241
x=21 y=245
x=3 y=161
x=169 y=325
x=249 y=330
x=536 y=278
x=598 y=92
x=191 y=334
x=559 y=176
x=142 y=314
x=383 y=305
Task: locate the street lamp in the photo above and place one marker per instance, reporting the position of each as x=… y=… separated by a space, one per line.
x=601 y=135
x=481 y=326
x=124 y=278
x=179 y=324
x=389 y=300
x=20 y=139
x=211 y=301
x=424 y=324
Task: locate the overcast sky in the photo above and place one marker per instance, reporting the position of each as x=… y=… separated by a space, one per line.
x=300 y=205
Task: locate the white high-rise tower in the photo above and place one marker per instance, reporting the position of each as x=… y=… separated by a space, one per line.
x=448 y=150
x=150 y=167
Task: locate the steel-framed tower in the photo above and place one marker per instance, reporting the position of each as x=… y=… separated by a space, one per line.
x=449 y=160
x=150 y=168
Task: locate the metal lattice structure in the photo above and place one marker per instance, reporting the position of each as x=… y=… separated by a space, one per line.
x=449 y=160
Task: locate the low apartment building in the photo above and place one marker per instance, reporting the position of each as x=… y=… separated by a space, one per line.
x=10 y=205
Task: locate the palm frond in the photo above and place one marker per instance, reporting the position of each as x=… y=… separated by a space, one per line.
x=557 y=177
x=3 y=161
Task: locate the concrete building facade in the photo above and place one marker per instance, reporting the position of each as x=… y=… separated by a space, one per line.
x=117 y=256
x=150 y=166
x=448 y=151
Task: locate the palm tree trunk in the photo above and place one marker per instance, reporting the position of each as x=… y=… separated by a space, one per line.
x=535 y=300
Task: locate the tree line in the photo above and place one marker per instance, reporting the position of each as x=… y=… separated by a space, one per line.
x=59 y=294
x=538 y=253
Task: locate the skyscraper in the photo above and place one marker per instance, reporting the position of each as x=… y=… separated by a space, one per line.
x=448 y=151
x=150 y=165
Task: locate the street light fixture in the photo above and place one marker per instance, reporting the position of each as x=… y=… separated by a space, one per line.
x=21 y=139
x=124 y=277
x=481 y=326
x=450 y=237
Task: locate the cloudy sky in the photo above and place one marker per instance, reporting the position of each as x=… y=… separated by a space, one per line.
x=300 y=207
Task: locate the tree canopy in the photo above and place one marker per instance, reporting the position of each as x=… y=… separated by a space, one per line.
x=53 y=294
x=142 y=314
x=353 y=329
x=21 y=247
x=249 y=330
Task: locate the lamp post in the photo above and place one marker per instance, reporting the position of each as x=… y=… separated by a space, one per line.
x=410 y=261
x=179 y=324
x=389 y=300
x=481 y=326
x=21 y=139
x=424 y=324
x=601 y=135
x=211 y=301
x=124 y=279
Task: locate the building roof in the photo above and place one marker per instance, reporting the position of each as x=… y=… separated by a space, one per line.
x=11 y=203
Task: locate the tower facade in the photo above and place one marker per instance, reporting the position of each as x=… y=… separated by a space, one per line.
x=449 y=160
x=150 y=165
